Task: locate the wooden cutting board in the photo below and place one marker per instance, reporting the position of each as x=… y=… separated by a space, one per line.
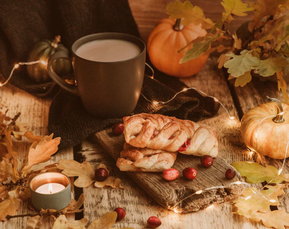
x=177 y=195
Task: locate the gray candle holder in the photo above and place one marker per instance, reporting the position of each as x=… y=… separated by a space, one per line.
x=58 y=200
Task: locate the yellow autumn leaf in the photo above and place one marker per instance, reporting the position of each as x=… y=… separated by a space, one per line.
x=104 y=222
x=278 y=219
x=62 y=222
x=188 y=13
x=41 y=151
x=242 y=80
x=263 y=10
x=111 y=181
x=84 y=171
x=253 y=200
x=9 y=206
x=255 y=205
x=256 y=173
x=234 y=7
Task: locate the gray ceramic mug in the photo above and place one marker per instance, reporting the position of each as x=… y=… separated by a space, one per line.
x=107 y=89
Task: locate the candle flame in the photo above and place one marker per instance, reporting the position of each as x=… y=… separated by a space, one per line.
x=50 y=188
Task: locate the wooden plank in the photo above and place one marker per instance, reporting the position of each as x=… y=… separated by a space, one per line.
x=177 y=195
x=34 y=115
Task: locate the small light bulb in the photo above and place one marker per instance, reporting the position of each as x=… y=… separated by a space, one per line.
x=248 y=197
x=43 y=62
x=273 y=201
x=232 y=118
x=155 y=103
x=199 y=192
x=238 y=182
x=16 y=66
x=210 y=207
x=175 y=210
x=185 y=89
x=280 y=171
x=152 y=76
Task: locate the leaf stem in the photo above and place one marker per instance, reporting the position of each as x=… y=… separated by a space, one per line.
x=23 y=215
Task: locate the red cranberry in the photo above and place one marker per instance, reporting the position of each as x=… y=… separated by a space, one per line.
x=153 y=222
x=120 y=213
x=190 y=173
x=230 y=174
x=171 y=174
x=185 y=146
x=207 y=161
x=117 y=129
x=101 y=174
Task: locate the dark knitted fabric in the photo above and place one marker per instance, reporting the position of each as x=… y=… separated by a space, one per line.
x=22 y=23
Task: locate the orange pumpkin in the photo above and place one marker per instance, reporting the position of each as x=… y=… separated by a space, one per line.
x=266 y=132
x=165 y=42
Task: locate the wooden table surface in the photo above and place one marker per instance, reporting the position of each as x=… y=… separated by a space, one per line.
x=34 y=113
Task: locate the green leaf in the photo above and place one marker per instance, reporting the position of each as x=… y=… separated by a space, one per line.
x=238 y=65
x=234 y=7
x=256 y=173
x=271 y=66
x=242 y=80
x=199 y=48
x=188 y=13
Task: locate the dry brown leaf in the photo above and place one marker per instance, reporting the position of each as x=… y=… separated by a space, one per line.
x=33 y=222
x=31 y=137
x=62 y=222
x=3 y=192
x=84 y=171
x=9 y=206
x=104 y=222
x=74 y=205
x=41 y=151
x=278 y=219
x=23 y=192
x=7 y=171
x=111 y=181
x=255 y=205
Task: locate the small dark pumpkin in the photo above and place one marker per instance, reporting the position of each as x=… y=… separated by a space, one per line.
x=43 y=51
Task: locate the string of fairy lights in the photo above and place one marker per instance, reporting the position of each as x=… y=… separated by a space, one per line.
x=160 y=103
x=17 y=65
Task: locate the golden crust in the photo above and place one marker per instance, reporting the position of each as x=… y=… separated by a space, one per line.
x=157 y=131
x=145 y=160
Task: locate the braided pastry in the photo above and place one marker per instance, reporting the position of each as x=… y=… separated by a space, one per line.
x=145 y=160
x=157 y=131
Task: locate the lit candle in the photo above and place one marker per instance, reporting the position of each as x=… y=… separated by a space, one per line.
x=50 y=190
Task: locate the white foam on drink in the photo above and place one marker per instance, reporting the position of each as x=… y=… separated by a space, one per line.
x=108 y=50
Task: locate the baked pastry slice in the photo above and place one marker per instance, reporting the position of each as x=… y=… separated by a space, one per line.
x=145 y=160
x=161 y=132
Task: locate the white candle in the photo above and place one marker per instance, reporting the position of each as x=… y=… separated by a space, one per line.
x=50 y=188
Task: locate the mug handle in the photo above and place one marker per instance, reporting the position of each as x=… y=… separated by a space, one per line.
x=57 y=79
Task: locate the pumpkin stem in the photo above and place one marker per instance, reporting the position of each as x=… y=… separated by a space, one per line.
x=279 y=117
x=178 y=26
x=56 y=41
